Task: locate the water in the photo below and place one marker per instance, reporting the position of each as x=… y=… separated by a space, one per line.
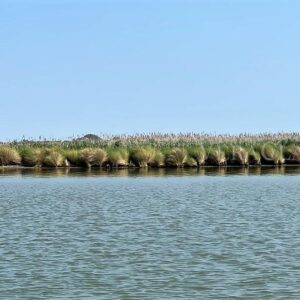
x=169 y=235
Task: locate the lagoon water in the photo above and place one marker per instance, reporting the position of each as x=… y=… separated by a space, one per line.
x=209 y=234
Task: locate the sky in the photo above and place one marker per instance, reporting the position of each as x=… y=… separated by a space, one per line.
x=70 y=67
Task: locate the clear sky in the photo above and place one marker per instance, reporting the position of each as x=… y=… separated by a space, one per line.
x=70 y=67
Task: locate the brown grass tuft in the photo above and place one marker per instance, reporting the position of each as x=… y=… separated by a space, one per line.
x=9 y=156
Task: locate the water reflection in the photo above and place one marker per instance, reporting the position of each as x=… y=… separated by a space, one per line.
x=208 y=171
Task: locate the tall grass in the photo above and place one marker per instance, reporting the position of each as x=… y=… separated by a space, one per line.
x=31 y=157
x=154 y=150
x=159 y=140
x=118 y=157
x=198 y=153
x=158 y=160
x=216 y=156
x=272 y=154
x=93 y=157
x=176 y=158
x=73 y=156
x=9 y=156
x=254 y=157
x=52 y=158
x=240 y=156
x=142 y=157
x=292 y=153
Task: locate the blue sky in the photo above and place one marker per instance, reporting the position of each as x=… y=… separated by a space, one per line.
x=75 y=67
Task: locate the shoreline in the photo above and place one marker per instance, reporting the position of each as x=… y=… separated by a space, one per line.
x=13 y=167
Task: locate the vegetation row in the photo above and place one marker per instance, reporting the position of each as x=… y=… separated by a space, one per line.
x=119 y=156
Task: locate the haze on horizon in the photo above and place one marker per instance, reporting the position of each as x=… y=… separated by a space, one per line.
x=75 y=67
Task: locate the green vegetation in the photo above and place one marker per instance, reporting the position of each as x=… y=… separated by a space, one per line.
x=198 y=154
x=176 y=158
x=272 y=154
x=117 y=157
x=154 y=150
x=216 y=156
x=142 y=157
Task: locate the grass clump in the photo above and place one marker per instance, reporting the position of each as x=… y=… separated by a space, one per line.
x=254 y=157
x=52 y=158
x=93 y=157
x=272 y=154
x=198 y=154
x=9 y=156
x=117 y=157
x=73 y=157
x=158 y=160
x=240 y=156
x=216 y=156
x=190 y=162
x=292 y=153
x=177 y=158
x=31 y=157
x=142 y=157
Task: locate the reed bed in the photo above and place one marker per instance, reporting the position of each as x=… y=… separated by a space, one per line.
x=154 y=150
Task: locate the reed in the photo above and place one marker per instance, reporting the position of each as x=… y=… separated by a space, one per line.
x=240 y=156
x=198 y=153
x=190 y=162
x=93 y=157
x=177 y=158
x=142 y=157
x=254 y=157
x=118 y=157
x=272 y=154
x=216 y=156
x=158 y=160
x=31 y=157
x=159 y=140
x=155 y=150
x=9 y=156
x=52 y=158
x=73 y=156
x=292 y=153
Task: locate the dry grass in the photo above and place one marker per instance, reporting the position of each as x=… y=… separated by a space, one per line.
x=292 y=153
x=9 y=156
x=158 y=160
x=52 y=158
x=93 y=157
x=158 y=140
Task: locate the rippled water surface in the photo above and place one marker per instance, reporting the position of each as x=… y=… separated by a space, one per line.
x=125 y=235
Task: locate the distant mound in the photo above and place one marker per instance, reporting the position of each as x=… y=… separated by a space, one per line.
x=89 y=137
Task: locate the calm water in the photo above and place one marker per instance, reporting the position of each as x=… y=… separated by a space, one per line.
x=227 y=234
